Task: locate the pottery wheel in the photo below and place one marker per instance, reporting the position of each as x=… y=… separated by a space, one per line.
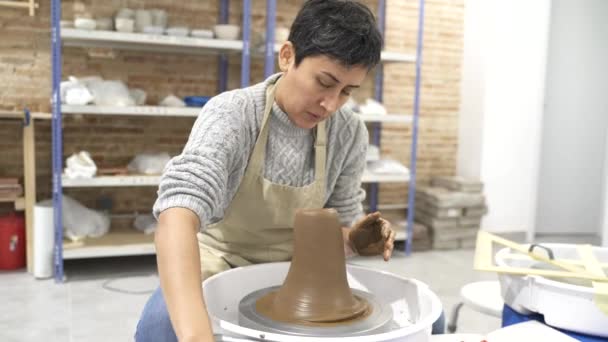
x=378 y=321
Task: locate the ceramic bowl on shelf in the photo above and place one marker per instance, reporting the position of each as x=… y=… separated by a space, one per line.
x=124 y=24
x=178 y=31
x=143 y=18
x=281 y=34
x=201 y=33
x=154 y=30
x=105 y=24
x=159 y=17
x=126 y=13
x=226 y=31
x=66 y=24
x=85 y=23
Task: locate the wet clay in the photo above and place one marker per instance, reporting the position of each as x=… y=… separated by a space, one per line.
x=315 y=291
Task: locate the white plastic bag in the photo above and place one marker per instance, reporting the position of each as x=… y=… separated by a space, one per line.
x=75 y=92
x=87 y=80
x=172 y=101
x=80 y=165
x=138 y=96
x=372 y=106
x=352 y=104
x=149 y=163
x=373 y=153
x=111 y=93
x=78 y=96
x=386 y=166
x=79 y=221
x=145 y=223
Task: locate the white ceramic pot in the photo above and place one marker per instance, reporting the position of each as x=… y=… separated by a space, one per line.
x=85 y=24
x=124 y=24
x=105 y=24
x=143 y=18
x=159 y=17
x=226 y=31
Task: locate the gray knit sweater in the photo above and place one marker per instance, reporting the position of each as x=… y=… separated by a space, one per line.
x=206 y=175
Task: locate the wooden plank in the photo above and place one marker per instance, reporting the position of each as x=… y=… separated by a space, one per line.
x=483 y=261
x=14 y=4
x=121 y=241
x=20 y=115
x=20 y=204
x=593 y=265
x=29 y=176
x=33 y=5
x=30 y=5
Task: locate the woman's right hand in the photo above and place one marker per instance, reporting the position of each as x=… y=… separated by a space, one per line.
x=179 y=270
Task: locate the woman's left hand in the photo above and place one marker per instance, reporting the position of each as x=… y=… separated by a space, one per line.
x=372 y=235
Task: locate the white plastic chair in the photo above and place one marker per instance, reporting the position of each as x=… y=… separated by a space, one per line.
x=481 y=296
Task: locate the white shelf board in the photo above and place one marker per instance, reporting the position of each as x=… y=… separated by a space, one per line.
x=111 y=181
x=397 y=57
x=385 y=56
x=133 y=110
x=164 y=43
x=194 y=111
x=369 y=177
x=400 y=235
x=121 y=242
x=398 y=206
x=392 y=118
x=147 y=42
x=143 y=180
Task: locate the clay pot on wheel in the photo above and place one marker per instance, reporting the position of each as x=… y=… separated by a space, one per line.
x=315 y=291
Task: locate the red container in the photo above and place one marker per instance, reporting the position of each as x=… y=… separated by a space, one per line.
x=12 y=242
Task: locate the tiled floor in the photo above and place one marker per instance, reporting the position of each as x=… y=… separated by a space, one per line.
x=102 y=299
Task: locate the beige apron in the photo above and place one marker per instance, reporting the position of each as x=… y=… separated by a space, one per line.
x=258 y=225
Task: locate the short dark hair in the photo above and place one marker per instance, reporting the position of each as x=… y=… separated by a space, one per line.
x=341 y=29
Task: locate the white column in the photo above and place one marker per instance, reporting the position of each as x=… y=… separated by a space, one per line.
x=502 y=106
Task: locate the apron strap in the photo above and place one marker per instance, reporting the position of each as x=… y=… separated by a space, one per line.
x=320 y=154
x=257 y=157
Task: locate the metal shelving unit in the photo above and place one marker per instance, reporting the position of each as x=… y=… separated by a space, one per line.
x=120 y=243
x=404 y=58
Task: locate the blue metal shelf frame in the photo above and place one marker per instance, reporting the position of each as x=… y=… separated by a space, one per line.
x=223 y=59
x=377 y=127
x=271 y=13
x=414 y=154
x=246 y=56
x=57 y=138
x=378 y=94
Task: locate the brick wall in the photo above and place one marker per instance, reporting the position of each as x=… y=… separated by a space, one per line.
x=25 y=71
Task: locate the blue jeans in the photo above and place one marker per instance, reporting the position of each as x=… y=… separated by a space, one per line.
x=155 y=325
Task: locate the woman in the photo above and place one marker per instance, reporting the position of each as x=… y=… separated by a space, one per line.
x=255 y=155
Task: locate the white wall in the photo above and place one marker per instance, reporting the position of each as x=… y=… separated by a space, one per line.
x=501 y=112
x=472 y=90
x=604 y=215
x=576 y=119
